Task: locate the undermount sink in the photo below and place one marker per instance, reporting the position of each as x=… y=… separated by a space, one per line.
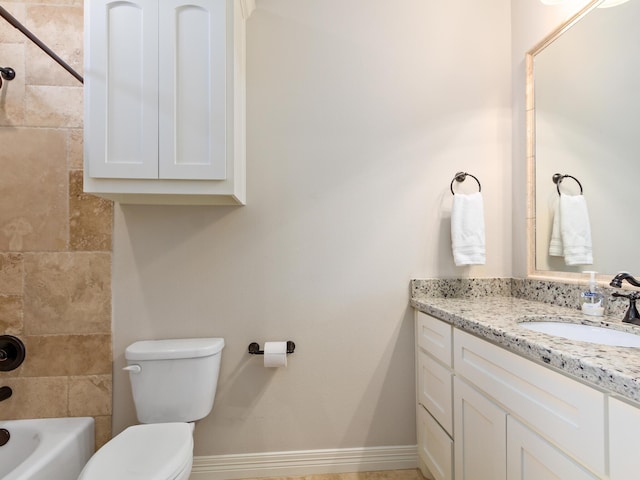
x=584 y=333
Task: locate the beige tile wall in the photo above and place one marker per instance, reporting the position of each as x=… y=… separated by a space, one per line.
x=55 y=241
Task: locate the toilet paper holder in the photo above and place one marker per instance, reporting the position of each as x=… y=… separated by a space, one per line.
x=254 y=348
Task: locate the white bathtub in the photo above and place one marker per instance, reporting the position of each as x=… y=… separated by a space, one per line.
x=46 y=449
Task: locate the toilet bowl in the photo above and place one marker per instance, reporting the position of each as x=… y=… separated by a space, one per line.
x=159 y=451
x=173 y=383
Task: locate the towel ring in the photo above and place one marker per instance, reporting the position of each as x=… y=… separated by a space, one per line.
x=461 y=177
x=557 y=179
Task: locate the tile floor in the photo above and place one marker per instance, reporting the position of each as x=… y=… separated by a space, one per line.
x=413 y=474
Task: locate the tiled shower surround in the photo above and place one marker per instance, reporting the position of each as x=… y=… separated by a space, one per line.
x=55 y=241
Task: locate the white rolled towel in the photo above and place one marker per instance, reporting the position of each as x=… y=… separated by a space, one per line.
x=467 y=229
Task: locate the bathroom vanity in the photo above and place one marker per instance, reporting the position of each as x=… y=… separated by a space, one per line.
x=497 y=401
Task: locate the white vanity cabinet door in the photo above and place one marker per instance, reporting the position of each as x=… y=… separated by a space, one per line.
x=624 y=440
x=435 y=447
x=530 y=457
x=480 y=435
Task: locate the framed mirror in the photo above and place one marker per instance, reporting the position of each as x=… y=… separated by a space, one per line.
x=583 y=120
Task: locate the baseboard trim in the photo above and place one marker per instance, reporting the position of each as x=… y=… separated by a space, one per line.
x=305 y=462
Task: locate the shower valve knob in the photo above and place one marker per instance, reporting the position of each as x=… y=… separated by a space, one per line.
x=12 y=353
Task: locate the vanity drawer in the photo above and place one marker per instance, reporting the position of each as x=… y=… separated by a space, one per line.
x=434 y=337
x=564 y=411
x=435 y=390
x=435 y=448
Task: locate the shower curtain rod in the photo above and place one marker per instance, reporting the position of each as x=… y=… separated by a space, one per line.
x=12 y=20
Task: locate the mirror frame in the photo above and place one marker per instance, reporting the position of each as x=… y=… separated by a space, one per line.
x=532 y=272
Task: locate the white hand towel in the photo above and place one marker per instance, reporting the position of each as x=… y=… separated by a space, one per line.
x=555 y=245
x=575 y=230
x=467 y=229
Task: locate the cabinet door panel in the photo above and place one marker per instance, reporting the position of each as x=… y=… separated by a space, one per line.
x=193 y=89
x=121 y=89
x=435 y=390
x=530 y=457
x=435 y=448
x=480 y=435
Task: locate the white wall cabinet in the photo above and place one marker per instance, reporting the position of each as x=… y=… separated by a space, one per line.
x=512 y=418
x=165 y=100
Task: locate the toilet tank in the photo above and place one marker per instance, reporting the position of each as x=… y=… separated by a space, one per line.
x=176 y=380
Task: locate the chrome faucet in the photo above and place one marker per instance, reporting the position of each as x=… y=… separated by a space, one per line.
x=632 y=315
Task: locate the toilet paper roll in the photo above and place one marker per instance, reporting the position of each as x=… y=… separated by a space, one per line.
x=275 y=354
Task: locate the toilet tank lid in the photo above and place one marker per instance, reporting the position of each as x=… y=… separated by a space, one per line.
x=174 y=349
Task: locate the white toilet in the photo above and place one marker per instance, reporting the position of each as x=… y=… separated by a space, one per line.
x=174 y=383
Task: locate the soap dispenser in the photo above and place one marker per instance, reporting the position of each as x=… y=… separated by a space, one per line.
x=592 y=299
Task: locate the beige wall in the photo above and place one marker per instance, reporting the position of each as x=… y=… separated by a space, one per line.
x=55 y=241
x=359 y=114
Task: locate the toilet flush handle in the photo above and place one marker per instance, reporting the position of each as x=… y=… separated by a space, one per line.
x=133 y=368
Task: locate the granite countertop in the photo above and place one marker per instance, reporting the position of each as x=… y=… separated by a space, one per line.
x=494 y=318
